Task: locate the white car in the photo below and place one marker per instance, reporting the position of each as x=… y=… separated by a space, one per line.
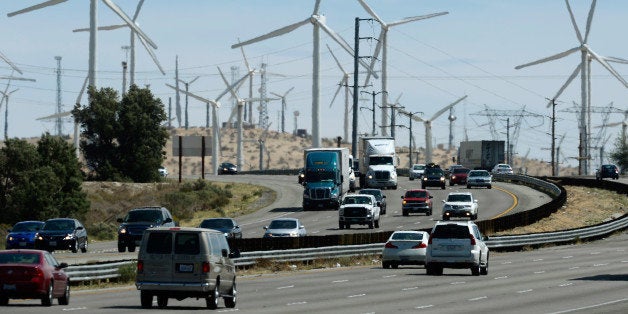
x=479 y=178
x=163 y=171
x=416 y=172
x=456 y=244
x=405 y=248
x=502 y=169
x=460 y=204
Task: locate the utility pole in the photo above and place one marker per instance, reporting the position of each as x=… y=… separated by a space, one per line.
x=356 y=58
x=553 y=137
x=59 y=123
x=410 y=116
x=123 y=78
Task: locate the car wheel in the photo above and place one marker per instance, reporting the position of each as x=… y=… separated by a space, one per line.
x=348 y=226
x=442 y=187
x=429 y=270
x=423 y=186
x=371 y=224
x=489 y=187
x=65 y=298
x=475 y=270
x=131 y=247
x=230 y=301
x=84 y=248
x=121 y=247
x=74 y=247
x=484 y=269
x=445 y=217
x=395 y=187
x=162 y=301
x=46 y=300
x=411 y=178
x=404 y=212
x=377 y=223
x=385 y=265
x=438 y=270
x=341 y=225
x=429 y=213
x=394 y=265
x=212 y=299
x=146 y=299
x=4 y=301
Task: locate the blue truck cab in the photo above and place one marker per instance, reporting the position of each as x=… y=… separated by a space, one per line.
x=325 y=179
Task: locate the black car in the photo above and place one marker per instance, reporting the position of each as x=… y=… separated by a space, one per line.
x=228 y=226
x=62 y=234
x=227 y=168
x=379 y=196
x=433 y=177
x=607 y=171
x=136 y=221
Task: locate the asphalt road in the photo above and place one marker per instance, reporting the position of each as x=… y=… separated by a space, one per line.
x=585 y=278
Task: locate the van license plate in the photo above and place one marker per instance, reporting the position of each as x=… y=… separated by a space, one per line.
x=185 y=268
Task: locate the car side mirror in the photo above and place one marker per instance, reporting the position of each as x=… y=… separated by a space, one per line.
x=265 y=227
x=383 y=196
x=79 y=228
x=401 y=196
x=225 y=252
x=379 y=204
x=431 y=196
x=443 y=201
x=62 y=265
x=301 y=227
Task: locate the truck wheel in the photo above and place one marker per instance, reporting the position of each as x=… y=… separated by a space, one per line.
x=411 y=178
x=442 y=187
x=121 y=247
x=395 y=187
x=371 y=224
x=468 y=186
x=348 y=226
x=341 y=225
x=404 y=212
x=489 y=187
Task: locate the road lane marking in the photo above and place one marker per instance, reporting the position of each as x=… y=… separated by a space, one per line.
x=567 y=256
x=601 y=264
x=478 y=298
x=74 y=309
x=515 y=202
x=539 y=272
x=524 y=291
x=423 y=307
x=575 y=267
x=566 y=284
x=505 y=263
x=537 y=260
x=389 y=276
x=357 y=295
x=590 y=306
x=411 y=288
x=457 y=283
x=296 y=303
x=501 y=277
x=285 y=287
x=339 y=281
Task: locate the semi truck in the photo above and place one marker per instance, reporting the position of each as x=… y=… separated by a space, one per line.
x=481 y=154
x=378 y=163
x=328 y=174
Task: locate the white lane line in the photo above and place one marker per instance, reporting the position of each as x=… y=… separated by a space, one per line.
x=285 y=287
x=357 y=295
x=501 y=277
x=478 y=298
x=539 y=272
x=567 y=257
x=418 y=222
x=624 y=261
x=424 y=307
x=566 y=284
x=590 y=306
x=339 y=281
x=296 y=303
x=595 y=253
x=457 y=283
x=537 y=260
x=575 y=267
x=74 y=309
x=506 y=263
x=601 y=264
x=389 y=276
x=411 y=288
x=524 y=291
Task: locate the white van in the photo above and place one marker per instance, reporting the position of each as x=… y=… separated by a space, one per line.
x=184 y=262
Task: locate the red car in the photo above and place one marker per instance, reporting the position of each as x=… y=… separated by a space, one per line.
x=458 y=176
x=32 y=274
x=416 y=201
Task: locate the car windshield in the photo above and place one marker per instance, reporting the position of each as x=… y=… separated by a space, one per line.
x=217 y=223
x=143 y=215
x=26 y=226
x=376 y=193
x=19 y=258
x=478 y=174
x=416 y=194
x=227 y=165
x=434 y=172
x=407 y=236
x=418 y=167
x=283 y=224
x=357 y=200
x=381 y=160
x=459 y=198
x=59 y=225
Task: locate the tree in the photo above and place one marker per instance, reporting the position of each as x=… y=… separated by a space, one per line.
x=40 y=182
x=123 y=140
x=620 y=154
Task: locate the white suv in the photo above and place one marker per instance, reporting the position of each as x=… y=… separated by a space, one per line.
x=456 y=244
x=460 y=204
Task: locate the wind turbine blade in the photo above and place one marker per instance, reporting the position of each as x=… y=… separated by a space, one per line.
x=78 y=98
x=276 y=94
x=15 y=78
x=371 y=12
x=152 y=54
x=36 y=7
x=336 y=93
x=573 y=22
x=224 y=79
x=550 y=58
x=199 y=98
x=410 y=115
x=232 y=86
x=56 y=115
x=275 y=33
x=101 y=28
x=246 y=61
x=378 y=49
x=562 y=88
x=316 y=7
x=115 y=8
x=607 y=66
x=288 y=91
x=589 y=20
x=342 y=43
x=336 y=59
x=447 y=108
x=3 y=57
x=398 y=97
x=137 y=10
x=192 y=81
x=616 y=59
x=417 y=18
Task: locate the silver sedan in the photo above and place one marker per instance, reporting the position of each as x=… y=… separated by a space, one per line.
x=405 y=248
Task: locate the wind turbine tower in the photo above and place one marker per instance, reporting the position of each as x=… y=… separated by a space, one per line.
x=451 y=119
x=59 y=123
x=263 y=102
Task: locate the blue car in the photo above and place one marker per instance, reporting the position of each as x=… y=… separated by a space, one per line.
x=22 y=235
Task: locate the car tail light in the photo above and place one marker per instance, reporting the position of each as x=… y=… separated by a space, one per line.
x=140 y=267
x=206 y=267
x=37 y=275
x=389 y=245
x=472 y=239
x=420 y=246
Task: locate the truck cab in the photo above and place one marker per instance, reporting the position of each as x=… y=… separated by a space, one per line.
x=327 y=177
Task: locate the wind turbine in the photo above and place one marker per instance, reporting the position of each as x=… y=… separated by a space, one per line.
x=215 y=127
x=5 y=98
x=382 y=44
x=318 y=22
x=132 y=45
x=93 y=21
x=344 y=82
x=13 y=66
x=585 y=75
x=428 y=126
x=283 y=108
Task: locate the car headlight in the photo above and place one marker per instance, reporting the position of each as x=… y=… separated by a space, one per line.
x=9 y=238
x=334 y=193
x=294 y=234
x=442 y=178
x=424 y=178
x=122 y=231
x=69 y=236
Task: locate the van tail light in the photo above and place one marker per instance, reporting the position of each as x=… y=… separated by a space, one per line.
x=420 y=246
x=206 y=267
x=389 y=245
x=140 y=266
x=472 y=239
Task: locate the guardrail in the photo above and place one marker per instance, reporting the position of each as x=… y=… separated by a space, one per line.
x=111 y=270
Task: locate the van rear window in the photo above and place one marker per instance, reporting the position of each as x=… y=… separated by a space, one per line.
x=159 y=243
x=451 y=232
x=186 y=243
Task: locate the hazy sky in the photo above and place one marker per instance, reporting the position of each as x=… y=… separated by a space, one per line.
x=471 y=51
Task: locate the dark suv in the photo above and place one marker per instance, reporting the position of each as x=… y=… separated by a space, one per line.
x=139 y=219
x=607 y=171
x=433 y=177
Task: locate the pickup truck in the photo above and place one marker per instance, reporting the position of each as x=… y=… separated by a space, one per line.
x=358 y=209
x=416 y=201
